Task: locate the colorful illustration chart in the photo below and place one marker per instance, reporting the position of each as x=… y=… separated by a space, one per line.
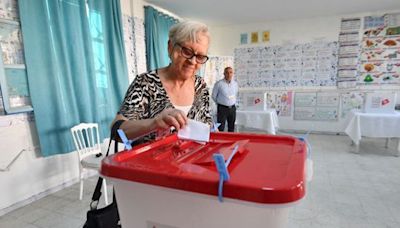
x=311 y=64
x=380 y=50
x=281 y=101
x=316 y=106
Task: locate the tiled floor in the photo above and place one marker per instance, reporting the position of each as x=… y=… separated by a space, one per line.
x=348 y=190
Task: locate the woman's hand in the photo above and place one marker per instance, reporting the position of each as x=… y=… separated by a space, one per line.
x=170 y=118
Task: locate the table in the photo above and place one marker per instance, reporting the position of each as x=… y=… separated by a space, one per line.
x=265 y=120
x=375 y=125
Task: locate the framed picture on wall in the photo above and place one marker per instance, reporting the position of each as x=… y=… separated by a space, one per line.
x=254 y=37
x=265 y=36
x=243 y=38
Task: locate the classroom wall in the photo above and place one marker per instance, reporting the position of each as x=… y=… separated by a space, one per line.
x=31 y=176
x=226 y=38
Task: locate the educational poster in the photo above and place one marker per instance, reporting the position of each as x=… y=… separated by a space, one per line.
x=214 y=69
x=350 y=101
x=252 y=101
x=9 y=10
x=380 y=50
x=246 y=62
x=374 y=22
x=140 y=45
x=328 y=99
x=254 y=37
x=350 y=24
x=244 y=38
x=311 y=64
x=135 y=47
x=304 y=113
x=326 y=68
x=129 y=46
x=327 y=108
x=265 y=36
x=304 y=106
x=316 y=106
x=281 y=101
x=305 y=99
x=12 y=48
x=348 y=59
x=17 y=85
x=326 y=113
x=287 y=65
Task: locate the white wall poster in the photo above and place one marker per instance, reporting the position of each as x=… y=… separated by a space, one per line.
x=351 y=100
x=316 y=106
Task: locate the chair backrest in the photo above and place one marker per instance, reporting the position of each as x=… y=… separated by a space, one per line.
x=86 y=138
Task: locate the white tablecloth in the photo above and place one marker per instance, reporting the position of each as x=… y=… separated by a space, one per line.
x=263 y=120
x=376 y=125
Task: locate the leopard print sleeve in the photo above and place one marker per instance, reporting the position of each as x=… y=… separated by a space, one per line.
x=200 y=110
x=135 y=104
x=146 y=97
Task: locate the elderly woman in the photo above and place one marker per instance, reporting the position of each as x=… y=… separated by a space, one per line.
x=168 y=96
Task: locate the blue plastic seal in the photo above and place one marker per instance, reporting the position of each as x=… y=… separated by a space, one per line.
x=124 y=139
x=215 y=127
x=222 y=168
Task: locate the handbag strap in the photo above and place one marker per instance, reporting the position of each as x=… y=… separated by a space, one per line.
x=97 y=191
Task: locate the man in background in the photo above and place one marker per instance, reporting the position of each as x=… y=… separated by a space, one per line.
x=224 y=95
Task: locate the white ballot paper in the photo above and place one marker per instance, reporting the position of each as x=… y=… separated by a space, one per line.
x=196 y=131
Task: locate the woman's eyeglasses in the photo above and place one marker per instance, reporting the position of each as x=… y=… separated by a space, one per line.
x=189 y=53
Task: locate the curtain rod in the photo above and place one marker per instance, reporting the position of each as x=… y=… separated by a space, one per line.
x=163 y=11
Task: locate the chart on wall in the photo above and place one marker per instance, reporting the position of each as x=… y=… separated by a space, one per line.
x=349 y=50
x=350 y=101
x=310 y=64
x=281 y=101
x=316 y=106
x=380 y=50
x=135 y=49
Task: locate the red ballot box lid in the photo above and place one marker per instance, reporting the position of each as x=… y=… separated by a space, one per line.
x=266 y=169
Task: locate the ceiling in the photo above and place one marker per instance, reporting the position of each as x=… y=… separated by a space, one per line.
x=228 y=12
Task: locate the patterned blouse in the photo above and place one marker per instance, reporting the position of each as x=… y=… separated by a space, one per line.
x=146 y=97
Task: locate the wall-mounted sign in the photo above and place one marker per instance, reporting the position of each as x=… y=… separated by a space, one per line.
x=265 y=36
x=254 y=37
x=243 y=38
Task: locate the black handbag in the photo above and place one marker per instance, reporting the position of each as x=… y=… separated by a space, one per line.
x=106 y=217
